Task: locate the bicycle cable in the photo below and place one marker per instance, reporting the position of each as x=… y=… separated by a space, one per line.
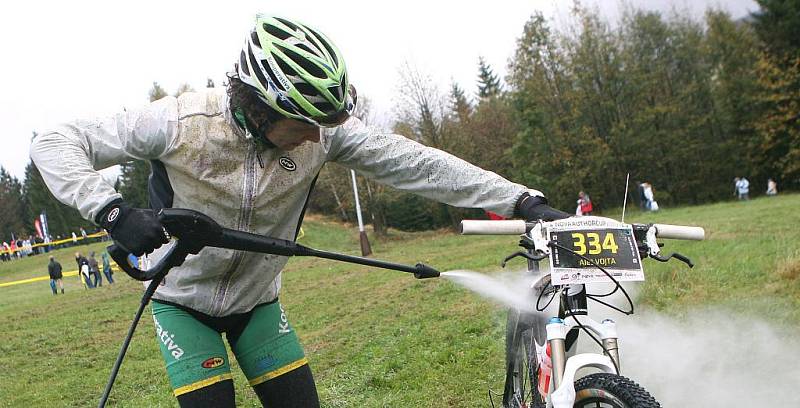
x=553 y=292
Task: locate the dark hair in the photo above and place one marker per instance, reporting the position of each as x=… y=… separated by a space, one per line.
x=242 y=96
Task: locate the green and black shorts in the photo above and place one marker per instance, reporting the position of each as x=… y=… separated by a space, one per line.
x=263 y=342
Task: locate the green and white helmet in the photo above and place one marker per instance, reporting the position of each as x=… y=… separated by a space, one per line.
x=297 y=71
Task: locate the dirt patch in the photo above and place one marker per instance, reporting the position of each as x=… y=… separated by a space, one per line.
x=790 y=269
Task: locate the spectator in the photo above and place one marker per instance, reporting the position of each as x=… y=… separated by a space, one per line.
x=640 y=196
x=74 y=239
x=584 y=204
x=649 y=197
x=107 y=268
x=54 y=269
x=94 y=270
x=83 y=270
x=742 y=188
x=40 y=248
x=494 y=216
x=772 y=187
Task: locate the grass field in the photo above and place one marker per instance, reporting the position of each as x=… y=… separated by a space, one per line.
x=378 y=338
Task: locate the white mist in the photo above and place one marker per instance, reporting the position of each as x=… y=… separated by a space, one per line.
x=709 y=358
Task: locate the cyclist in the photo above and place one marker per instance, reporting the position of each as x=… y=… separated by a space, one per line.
x=247 y=156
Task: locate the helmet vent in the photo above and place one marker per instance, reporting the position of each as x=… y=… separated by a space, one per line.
x=304 y=63
x=325 y=107
x=306 y=49
x=257 y=70
x=275 y=31
x=243 y=64
x=327 y=46
x=291 y=25
x=271 y=74
x=287 y=70
x=255 y=39
x=336 y=91
x=306 y=89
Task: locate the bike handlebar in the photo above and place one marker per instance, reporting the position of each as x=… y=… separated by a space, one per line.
x=679 y=232
x=518 y=227
x=487 y=227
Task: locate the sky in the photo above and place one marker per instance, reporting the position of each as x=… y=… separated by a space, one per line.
x=64 y=60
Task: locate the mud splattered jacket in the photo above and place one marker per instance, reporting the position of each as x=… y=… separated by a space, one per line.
x=203 y=161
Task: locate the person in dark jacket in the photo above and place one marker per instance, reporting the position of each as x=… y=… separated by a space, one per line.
x=94 y=270
x=54 y=269
x=83 y=270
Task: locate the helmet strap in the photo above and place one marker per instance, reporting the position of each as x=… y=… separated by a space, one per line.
x=259 y=133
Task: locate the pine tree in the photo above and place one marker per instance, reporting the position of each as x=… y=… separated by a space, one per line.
x=488 y=83
x=183 y=88
x=778 y=24
x=157 y=92
x=11 y=211
x=459 y=104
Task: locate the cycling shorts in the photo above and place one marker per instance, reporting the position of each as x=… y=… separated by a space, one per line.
x=263 y=342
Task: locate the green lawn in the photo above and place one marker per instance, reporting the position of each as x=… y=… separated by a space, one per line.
x=379 y=338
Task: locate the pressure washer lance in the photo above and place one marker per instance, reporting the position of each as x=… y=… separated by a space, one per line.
x=194 y=231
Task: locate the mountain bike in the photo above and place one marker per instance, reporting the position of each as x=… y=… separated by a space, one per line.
x=563 y=257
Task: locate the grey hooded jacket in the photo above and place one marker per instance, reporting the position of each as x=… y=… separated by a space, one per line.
x=203 y=161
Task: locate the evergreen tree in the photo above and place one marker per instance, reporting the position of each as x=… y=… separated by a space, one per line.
x=488 y=83
x=11 y=210
x=459 y=104
x=183 y=88
x=778 y=25
x=157 y=92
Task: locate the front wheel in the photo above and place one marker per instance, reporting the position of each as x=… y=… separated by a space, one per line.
x=611 y=391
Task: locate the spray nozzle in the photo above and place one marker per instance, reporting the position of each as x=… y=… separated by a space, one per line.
x=424 y=272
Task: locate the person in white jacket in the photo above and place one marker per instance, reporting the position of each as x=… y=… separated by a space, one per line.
x=247 y=156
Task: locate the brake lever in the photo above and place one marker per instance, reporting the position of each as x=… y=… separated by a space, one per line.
x=525 y=255
x=676 y=255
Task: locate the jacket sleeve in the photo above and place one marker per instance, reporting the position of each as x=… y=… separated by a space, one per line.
x=410 y=166
x=69 y=155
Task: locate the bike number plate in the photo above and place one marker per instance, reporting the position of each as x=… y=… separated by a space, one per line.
x=604 y=241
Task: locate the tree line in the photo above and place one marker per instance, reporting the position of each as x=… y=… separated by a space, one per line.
x=684 y=103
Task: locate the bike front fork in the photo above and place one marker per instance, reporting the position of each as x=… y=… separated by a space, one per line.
x=564 y=369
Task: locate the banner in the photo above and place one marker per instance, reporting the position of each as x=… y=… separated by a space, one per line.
x=45 y=228
x=38 y=226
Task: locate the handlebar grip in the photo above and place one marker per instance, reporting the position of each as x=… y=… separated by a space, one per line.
x=679 y=232
x=546 y=213
x=484 y=227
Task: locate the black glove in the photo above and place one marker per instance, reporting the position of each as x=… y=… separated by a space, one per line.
x=136 y=230
x=533 y=208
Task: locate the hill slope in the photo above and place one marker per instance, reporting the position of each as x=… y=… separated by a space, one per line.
x=379 y=338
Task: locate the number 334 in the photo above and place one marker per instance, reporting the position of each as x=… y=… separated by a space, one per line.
x=590 y=243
